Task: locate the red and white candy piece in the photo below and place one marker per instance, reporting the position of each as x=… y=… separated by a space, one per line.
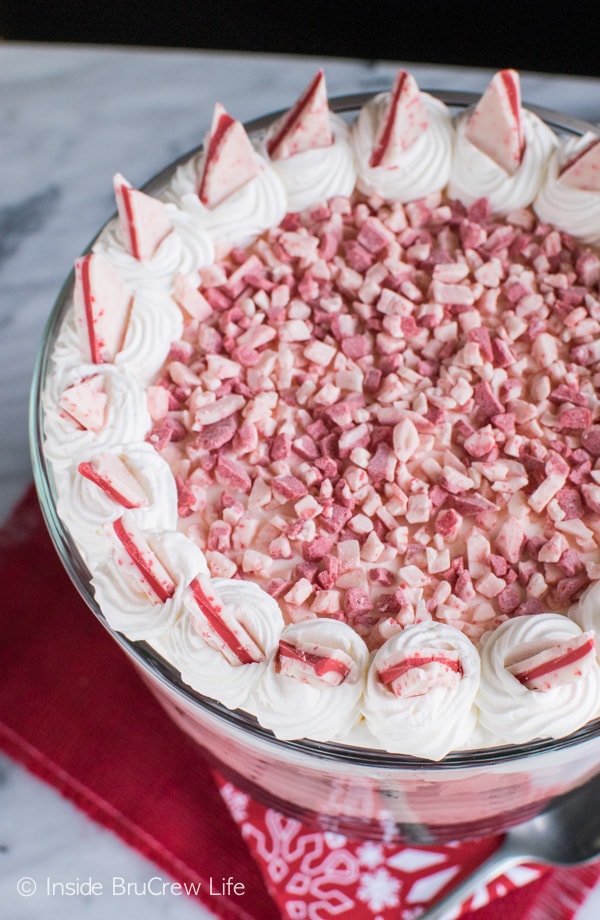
x=583 y=171
x=495 y=126
x=403 y=123
x=332 y=666
x=416 y=672
x=102 y=306
x=564 y=663
x=230 y=161
x=85 y=402
x=154 y=579
x=306 y=126
x=143 y=220
x=218 y=626
x=189 y=298
x=111 y=474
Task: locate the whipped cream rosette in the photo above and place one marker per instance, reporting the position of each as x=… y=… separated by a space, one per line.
x=501 y=149
x=476 y=175
x=317 y=174
x=574 y=210
x=154 y=322
x=249 y=211
x=540 y=678
x=206 y=662
x=90 y=408
x=187 y=248
x=140 y=586
x=67 y=359
x=100 y=486
x=228 y=189
x=420 y=691
x=586 y=612
x=309 y=149
x=314 y=682
x=417 y=170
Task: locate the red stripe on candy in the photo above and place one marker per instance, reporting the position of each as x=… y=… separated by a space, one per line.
x=321 y=664
x=570 y=657
x=212 y=614
x=394 y=671
x=162 y=592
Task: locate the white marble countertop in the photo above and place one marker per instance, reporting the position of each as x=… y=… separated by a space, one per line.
x=70 y=117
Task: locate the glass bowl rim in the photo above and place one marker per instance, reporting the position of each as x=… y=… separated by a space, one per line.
x=152 y=663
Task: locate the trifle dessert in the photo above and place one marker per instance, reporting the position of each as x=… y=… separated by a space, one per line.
x=323 y=421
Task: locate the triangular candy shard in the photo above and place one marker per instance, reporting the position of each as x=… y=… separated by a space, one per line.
x=189 y=299
x=218 y=626
x=85 y=402
x=404 y=121
x=583 y=171
x=229 y=162
x=143 y=220
x=148 y=570
x=331 y=666
x=306 y=126
x=111 y=474
x=495 y=125
x=562 y=664
x=102 y=305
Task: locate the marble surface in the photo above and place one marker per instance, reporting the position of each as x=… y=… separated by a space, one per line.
x=69 y=119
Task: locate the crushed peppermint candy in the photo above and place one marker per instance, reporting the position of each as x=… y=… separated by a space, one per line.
x=388 y=414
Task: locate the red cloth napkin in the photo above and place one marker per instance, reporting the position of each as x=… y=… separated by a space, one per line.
x=75 y=713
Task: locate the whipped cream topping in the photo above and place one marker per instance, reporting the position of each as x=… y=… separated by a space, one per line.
x=574 y=210
x=313 y=176
x=240 y=218
x=475 y=175
x=154 y=322
x=186 y=249
x=513 y=712
x=86 y=508
x=126 y=417
x=586 y=612
x=207 y=670
x=431 y=723
x=310 y=707
x=424 y=168
x=126 y=606
x=287 y=697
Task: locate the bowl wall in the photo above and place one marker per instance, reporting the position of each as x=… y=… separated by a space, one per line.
x=394 y=802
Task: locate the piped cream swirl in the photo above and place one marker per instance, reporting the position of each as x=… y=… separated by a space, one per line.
x=437 y=721
x=314 y=176
x=208 y=671
x=126 y=417
x=475 y=175
x=154 y=322
x=516 y=714
x=294 y=708
x=586 y=612
x=574 y=210
x=186 y=249
x=424 y=168
x=86 y=508
x=255 y=207
x=126 y=607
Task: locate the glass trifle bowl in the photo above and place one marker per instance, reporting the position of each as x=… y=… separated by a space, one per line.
x=355 y=788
